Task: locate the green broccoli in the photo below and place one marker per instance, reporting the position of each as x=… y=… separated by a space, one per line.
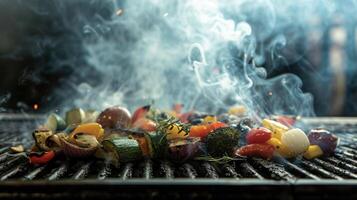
x=222 y=141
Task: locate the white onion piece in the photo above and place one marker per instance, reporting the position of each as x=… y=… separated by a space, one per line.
x=296 y=141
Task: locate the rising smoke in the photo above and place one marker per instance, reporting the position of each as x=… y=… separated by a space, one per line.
x=208 y=55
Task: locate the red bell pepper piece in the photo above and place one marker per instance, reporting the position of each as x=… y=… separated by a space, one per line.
x=286 y=120
x=265 y=151
x=43 y=158
x=140 y=113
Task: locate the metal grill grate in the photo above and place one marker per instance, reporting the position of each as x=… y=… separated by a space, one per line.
x=338 y=169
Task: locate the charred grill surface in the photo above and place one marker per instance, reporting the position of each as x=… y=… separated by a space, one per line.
x=251 y=178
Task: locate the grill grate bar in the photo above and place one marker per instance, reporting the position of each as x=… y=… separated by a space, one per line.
x=229 y=171
x=249 y=171
x=343 y=158
x=32 y=175
x=167 y=170
x=210 y=171
x=334 y=169
x=12 y=161
x=275 y=171
x=341 y=164
x=148 y=169
x=105 y=171
x=59 y=172
x=320 y=171
x=300 y=170
x=18 y=169
x=82 y=172
x=127 y=171
x=189 y=171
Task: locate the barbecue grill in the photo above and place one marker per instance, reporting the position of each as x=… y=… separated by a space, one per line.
x=322 y=178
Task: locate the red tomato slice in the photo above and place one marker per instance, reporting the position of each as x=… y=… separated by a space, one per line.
x=265 y=151
x=258 y=135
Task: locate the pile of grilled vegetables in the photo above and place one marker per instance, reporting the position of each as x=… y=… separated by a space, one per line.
x=117 y=136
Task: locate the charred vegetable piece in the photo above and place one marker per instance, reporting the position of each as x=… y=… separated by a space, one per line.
x=75 y=116
x=313 y=151
x=145 y=124
x=296 y=141
x=94 y=129
x=72 y=150
x=85 y=141
x=258 y=135
x=41 y=158
x=17 y=149
x=265 y=151
x=124 y=149
x=175 y=131
x=157 y=144
x=115 y=117
x=140 y=113
x=53 y=142
x=40 y=136
x=55 y=123
x=222 y=141
x=277 y=128
x=324 y=139
x=181 y=150
x=281 y=149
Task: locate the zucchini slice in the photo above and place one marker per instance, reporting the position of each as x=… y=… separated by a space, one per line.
x=124 y=149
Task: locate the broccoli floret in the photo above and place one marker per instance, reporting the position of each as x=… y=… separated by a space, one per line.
x=222 y=141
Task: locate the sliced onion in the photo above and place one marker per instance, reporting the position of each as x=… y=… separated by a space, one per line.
x=183 y=149
x=72 y=150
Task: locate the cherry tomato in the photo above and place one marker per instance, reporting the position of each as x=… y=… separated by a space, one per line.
x=140 y=113
x=41 y=159
x=265 y=151
x=258 y=135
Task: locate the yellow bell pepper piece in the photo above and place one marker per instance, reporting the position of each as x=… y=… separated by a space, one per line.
x=277 y=128
x=237 y=110
x=94 y=129
x=175 y=131
x=210 y=119
x=283 y=150
x=313 y=151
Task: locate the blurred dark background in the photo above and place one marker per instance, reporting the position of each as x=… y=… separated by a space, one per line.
x=37 y=35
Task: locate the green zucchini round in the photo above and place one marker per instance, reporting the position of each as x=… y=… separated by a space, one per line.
x=124 y=149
